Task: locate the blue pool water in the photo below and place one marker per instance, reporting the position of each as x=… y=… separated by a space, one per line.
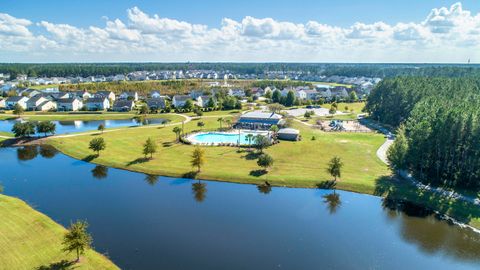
x=219 y=137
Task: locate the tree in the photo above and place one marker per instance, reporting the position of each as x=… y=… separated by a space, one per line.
x=268 y=94
x=353 y=96
x=46 y=127
x=307 y=114
x=188 y=105
x=198 y=158
x=200 y=124
x=77 y=239
x=149 y=148
x=144 y=109
x=18 y=110
x=276 y=96
x=275 y=107
x=97 y=145
x=25 y=129
x=334 y=167
x=274 y=129
x=220 y=121
x=333 y=110
x=265 y=161
x=249 y=138
x=397 y=152
x=261 y=142
x=101 y=128
x=290 y=100
x=177 y=131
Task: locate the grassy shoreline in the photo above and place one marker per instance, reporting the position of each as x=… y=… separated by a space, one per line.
x=31 y=240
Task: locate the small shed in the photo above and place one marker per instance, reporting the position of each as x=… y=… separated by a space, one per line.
x=288 y=134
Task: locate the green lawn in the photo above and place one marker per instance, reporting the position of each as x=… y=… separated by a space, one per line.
x=297 y=164
x=357 y=107
x=82 y=116
x=31 y=240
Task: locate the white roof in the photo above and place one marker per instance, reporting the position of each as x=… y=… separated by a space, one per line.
x=289 y=131
x=261 y=115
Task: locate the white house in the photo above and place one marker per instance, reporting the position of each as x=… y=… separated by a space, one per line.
x=2 y=103
x=301 y=94
x=81 y=94
x=203 y=101
x=69 y=104
x=47 y=106
x=34 y=102
x=12 y=101
x=179 y=100
x=311 y=94
x=97 y=104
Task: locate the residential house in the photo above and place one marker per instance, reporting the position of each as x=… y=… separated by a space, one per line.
x=69 y=104
x=106 y=94
x=129 y=95
x=311 y=94
x=340 y=92
x=194 y=94
x=35 y=101
x=48 y=105
x=155 y=94
x=237 y=92
x=28 y=92
x=84 y=95
x=12 y=101
x=97 y=104
x=203 y=101
x=179 y=101
x=301 y=94
x=2 y=103
x=123 y=105
x=156 y=103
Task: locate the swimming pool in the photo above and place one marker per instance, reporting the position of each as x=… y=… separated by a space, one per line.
x=223 y=138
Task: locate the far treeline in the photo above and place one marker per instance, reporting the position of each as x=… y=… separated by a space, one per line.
x=349 y=70
x=438 y=139
x=169 y=87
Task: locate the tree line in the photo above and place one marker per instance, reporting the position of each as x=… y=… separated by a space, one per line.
x=438 y=120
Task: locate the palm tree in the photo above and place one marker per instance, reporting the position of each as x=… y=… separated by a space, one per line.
x=177 y=131
x=249 y=138
x=220 y=120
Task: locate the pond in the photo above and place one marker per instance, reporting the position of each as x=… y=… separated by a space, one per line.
x=223 y=137
x=149 y=222
x=64 y=127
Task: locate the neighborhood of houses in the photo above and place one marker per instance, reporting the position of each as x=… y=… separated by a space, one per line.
x=53 y=99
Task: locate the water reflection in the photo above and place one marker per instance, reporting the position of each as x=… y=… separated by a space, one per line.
x=27 y=152
x=264 y=188
x=48 y=151
x=199 y=191
x=431 y=233
x=333 y=202
x=151 y=179
x=100 y=172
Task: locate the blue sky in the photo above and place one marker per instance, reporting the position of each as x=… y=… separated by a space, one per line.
x=275 y=30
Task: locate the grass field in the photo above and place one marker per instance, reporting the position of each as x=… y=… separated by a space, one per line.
x=297 y=164
x=31 y=240
x=357 y=107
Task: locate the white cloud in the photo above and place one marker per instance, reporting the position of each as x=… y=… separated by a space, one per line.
x=446 y=34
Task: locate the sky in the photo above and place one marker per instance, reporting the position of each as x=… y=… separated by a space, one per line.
x=368 y=31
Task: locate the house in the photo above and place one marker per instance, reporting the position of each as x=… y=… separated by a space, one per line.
x=97 y=104
x=123 y=105
x=301 y=94
x=259 y=120
x=311 y=94
x=129 y=95
x=155 y=94
x=288 y=134
x=28 y=92
x=35 y=101
x=106 y=94
x=69 y=104
x=156 y=103
x=203 y=101
x=48 y=105
x=179 y=101
x=56 y=96
x=2 y=103
x=194 y=94
x=237 y=92
x=12 y=101
x=81 y=94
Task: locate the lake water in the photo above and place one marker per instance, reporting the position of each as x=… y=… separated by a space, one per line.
x=64 y=127
x=147 y=222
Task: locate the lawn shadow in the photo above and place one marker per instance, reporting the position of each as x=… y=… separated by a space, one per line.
x=90 y=157
x=190 y=175
x=252 y=155
x=329 y=184
x=168 y=144
x=138 y=161
x=61 y=265
x=258 y=173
